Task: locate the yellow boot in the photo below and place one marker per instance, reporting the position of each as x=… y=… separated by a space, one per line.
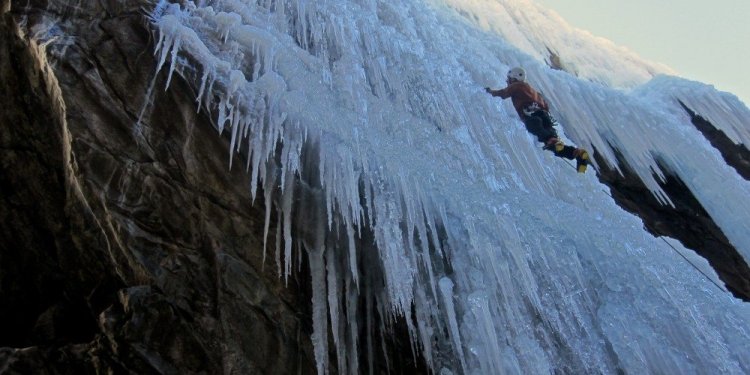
x=554 y=144
x=582 y=160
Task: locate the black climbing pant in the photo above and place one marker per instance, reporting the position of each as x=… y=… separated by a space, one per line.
x=540 y=125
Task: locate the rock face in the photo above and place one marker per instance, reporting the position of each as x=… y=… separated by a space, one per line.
x=687 y=221
x=108 y=252
x=736 y=156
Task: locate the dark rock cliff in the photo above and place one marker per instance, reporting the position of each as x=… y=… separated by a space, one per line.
x=687 y=222
x=736 y=156
x=126 y=250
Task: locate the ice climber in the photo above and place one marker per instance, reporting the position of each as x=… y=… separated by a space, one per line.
x=534 y=113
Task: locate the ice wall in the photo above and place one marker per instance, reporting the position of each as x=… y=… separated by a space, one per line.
x=366 y=123
x=540 y=32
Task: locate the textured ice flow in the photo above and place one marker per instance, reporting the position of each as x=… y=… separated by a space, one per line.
x=366 y=122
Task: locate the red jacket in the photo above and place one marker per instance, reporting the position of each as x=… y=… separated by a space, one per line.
x=522 y=95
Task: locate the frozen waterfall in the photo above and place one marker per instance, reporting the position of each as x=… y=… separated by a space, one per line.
x=366 y=122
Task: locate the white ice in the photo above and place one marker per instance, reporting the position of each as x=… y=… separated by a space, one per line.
x=367 y=122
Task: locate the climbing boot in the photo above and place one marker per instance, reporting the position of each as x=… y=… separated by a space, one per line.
x=582 y=160
x=555 y=145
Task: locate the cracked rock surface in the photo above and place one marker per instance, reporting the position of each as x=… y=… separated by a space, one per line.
x=126 y=248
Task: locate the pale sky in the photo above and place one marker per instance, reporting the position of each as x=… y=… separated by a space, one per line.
x=703 y=40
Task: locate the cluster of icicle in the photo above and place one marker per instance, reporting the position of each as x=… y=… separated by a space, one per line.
x=365 y=125
x=326 y=193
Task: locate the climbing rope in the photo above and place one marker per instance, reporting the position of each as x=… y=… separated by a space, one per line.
x=667 y=242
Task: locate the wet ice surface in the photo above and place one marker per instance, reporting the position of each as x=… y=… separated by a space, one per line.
x=366 y=122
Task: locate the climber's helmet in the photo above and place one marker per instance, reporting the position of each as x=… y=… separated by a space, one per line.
x=517 y=74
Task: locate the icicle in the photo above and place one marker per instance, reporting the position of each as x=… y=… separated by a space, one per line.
x=320 y=322
x=202 y=90
x=423 y=308
x=168 y=27
x=480 y=308
x=175 y=48
x=279 y=227
x=227 y=21
x=334 y=292
x=446 y=289
x=286 y=214
x=256 y=166
x=351 y=317
x=268 y=190
x=352 y=248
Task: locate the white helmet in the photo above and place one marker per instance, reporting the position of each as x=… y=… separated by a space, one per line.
x=518 y=74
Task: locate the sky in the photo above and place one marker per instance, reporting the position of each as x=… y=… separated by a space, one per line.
x=706 y=41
